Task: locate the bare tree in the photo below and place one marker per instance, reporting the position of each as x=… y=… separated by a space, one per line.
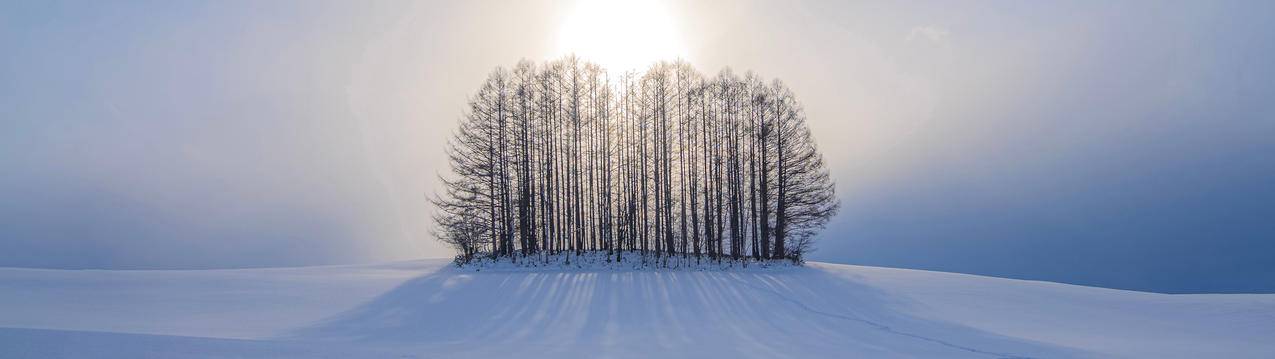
x=561 y=158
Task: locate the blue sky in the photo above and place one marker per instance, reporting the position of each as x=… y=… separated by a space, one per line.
x=1114 y=144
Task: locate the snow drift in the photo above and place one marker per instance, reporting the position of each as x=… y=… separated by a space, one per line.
x=430 y=309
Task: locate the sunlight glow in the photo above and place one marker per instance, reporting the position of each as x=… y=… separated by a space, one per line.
x=620 y=34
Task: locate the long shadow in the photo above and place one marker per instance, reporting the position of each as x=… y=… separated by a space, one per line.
x=797 y=312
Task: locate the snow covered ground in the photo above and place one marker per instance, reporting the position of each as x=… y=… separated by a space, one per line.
x=427 y=309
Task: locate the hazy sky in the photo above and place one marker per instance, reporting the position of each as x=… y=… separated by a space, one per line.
x=1121 y=144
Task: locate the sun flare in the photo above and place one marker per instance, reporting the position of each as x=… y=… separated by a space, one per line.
x=620 y=34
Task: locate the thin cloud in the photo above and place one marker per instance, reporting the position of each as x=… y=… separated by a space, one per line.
x=931 y=33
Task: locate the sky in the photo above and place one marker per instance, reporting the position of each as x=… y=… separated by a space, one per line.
x=1117 y=144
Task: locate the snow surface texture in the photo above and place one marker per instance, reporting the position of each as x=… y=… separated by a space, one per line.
x=428 y=308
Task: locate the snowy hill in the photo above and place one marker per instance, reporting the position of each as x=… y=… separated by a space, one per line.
x=426 y=308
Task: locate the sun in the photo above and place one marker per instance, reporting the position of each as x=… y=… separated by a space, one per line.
x=620 y=35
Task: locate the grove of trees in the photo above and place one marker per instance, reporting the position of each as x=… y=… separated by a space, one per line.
x=562 y=157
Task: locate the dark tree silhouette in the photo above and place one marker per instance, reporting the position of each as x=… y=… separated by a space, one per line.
x=562 y=158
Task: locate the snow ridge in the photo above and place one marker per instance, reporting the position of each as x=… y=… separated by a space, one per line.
x=876 y=325
x=545 y=308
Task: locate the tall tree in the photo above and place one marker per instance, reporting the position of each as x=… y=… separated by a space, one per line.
x=558 y=158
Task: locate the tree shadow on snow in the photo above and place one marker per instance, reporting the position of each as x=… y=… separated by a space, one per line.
x=793 y=312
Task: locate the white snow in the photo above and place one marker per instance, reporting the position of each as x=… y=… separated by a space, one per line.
x=425 y=309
